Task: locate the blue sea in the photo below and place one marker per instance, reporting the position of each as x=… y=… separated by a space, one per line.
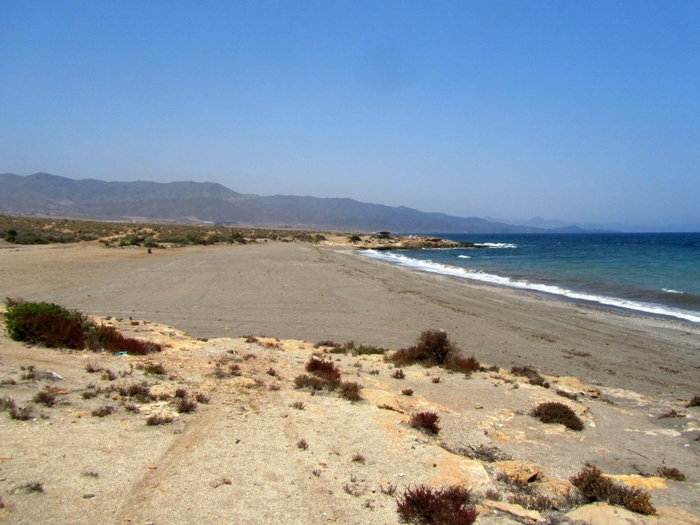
x=654 y=273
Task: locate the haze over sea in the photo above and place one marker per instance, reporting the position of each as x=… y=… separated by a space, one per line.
x=646 y=273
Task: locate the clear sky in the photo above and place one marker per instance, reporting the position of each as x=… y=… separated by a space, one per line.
x=583 y=111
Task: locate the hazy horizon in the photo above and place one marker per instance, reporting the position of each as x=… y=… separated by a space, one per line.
x=585 y=113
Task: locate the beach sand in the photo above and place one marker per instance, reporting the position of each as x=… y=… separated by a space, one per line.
x=238 y=458
x=303 y=291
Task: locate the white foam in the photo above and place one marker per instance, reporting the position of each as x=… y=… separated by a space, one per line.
x=495 y=245
x=477 y=275
x=668 y=290
x=463 y=257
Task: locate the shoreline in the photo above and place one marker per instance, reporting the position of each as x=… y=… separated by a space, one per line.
x=313 y=292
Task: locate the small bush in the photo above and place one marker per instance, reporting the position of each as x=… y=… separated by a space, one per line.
x=159 y=419
x=154 y=368
x=46 y=397
x=555 y=412
x=103 y=411
x=433 y=348
x=398 y=374
x=323 y=369
x=22 y=413
x=593 y=486
x=426 y=421
x=492 y=494
x=185 y=405
x=108 y=375
x=302 y=444
x=463 y=365
x=370 y=350
x=695 y=402
x=299 y=405
x=180 y=392
x=91 y=368
x=109 y=339
x=531 y=373
x=487 y=453
x=45 y=324
x=538 y=502
x=306 y=381
x=407 y=391
x=350 y=391
x=7 y=403
x=358 y=458
x=202 y=398
x=423 y=505
x=141 y=392
x=671 y=473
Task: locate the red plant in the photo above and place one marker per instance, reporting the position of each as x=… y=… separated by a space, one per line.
x=425 y=421
x=323 y=369
x=424 y=505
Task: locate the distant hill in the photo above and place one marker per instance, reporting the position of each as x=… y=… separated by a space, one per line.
x=51 y=195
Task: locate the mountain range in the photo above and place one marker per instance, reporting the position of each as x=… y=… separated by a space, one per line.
x=42 y=194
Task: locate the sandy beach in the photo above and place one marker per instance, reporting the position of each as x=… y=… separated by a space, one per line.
x=304 y=291
x=238 y=458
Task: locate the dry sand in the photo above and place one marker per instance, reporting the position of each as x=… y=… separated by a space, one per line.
x=299 y=291
x=236 y=459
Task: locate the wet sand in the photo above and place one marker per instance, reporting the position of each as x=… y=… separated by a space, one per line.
x=311 y=292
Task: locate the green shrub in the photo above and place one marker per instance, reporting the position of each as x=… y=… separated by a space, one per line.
x=46 y=324
x=54 y=326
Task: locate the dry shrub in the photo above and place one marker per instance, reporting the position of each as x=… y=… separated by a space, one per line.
x=433 y=348
x=398 y=374
x=350 y=391
x=423 y=505
x=538 y=502
x=464 y=365
x=103 y=411
x=185 y=405
x=695 y=402
x=323 y=369
x=47 y=397
x=159 y=419
x=307 y=381
x=7 y=403
x=593 y=486
x=531 y=373
x=141 y=392
x=426 y=421
x=670 y=473
x=22 y=413
x=407 y=391
x=555 y=412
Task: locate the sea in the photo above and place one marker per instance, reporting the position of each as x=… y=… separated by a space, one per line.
x=645 y=273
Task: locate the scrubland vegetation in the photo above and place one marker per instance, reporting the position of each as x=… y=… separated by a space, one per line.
x=55 y=326
x=34 y=230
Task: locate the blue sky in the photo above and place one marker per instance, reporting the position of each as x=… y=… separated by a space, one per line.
x=581 y=111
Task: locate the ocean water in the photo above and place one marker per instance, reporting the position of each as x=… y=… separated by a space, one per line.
x=655 y=273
